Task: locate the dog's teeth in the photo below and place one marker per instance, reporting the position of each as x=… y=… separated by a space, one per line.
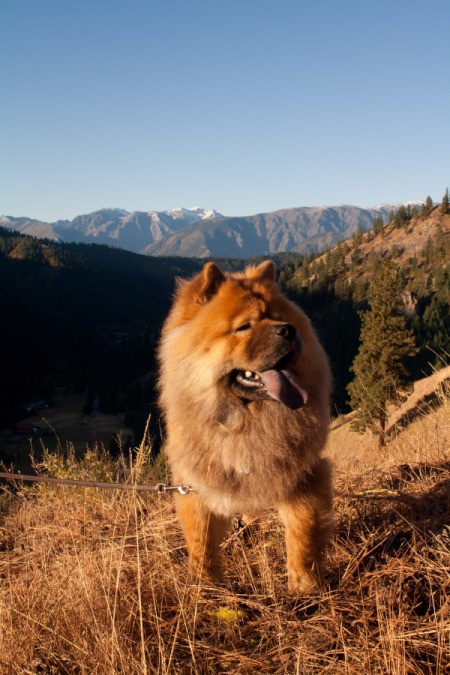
x=248 y=373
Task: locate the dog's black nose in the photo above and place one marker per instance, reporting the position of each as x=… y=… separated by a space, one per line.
x=286 y=330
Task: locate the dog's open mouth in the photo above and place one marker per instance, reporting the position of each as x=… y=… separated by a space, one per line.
x=281 y=385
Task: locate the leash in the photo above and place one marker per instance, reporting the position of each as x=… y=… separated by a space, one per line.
x=159 y=488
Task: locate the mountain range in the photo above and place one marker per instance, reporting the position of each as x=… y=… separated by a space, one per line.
x=201 y=233
x=133 y=231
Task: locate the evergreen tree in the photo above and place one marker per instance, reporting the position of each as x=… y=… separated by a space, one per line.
x=400 y=217
x=358 y=235
x=385 y=342
x=378 y=225
x=427 y=207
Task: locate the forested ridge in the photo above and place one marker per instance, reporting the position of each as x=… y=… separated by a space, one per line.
x=87 y=317
x=333 y=288
x=81 y=317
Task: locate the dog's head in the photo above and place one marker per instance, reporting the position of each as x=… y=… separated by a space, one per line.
x=241 y=330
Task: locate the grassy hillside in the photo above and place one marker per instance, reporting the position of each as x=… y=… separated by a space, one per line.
x=95 y=582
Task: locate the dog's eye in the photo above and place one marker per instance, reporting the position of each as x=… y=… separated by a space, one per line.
x=243 y=327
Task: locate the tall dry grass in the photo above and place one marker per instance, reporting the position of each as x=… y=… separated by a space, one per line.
x=95 y=582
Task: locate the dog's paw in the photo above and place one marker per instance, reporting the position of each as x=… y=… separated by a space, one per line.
x=304 y=583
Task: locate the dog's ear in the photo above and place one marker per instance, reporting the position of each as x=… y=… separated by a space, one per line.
x=211 y=278
x=266 y=271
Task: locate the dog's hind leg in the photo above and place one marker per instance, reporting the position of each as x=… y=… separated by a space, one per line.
x=308 y=520
x=204 y=531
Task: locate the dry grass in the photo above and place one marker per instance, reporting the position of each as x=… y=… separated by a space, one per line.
x=95 y=582
x=419 y=435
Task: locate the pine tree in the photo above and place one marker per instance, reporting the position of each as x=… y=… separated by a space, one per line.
x=378 y=225
x=427 y=207
x=400 y=217
x=358 y=235
x=385 y=342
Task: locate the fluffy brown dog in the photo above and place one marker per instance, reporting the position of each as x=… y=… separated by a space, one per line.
x=244 y=387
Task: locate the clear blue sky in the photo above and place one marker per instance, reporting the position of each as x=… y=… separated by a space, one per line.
x=244 y=106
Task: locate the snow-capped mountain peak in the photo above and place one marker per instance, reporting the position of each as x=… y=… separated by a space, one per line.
x=195 y=212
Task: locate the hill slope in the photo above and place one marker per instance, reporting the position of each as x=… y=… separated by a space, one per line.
x=426 y=408
x=411 y=241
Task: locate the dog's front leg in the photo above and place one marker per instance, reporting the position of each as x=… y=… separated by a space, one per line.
x=204 y=531
x=308 y=521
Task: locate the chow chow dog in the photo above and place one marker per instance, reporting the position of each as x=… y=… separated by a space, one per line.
x=244 y=389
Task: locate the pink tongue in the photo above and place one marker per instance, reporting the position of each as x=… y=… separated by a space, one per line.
x=284 y=386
